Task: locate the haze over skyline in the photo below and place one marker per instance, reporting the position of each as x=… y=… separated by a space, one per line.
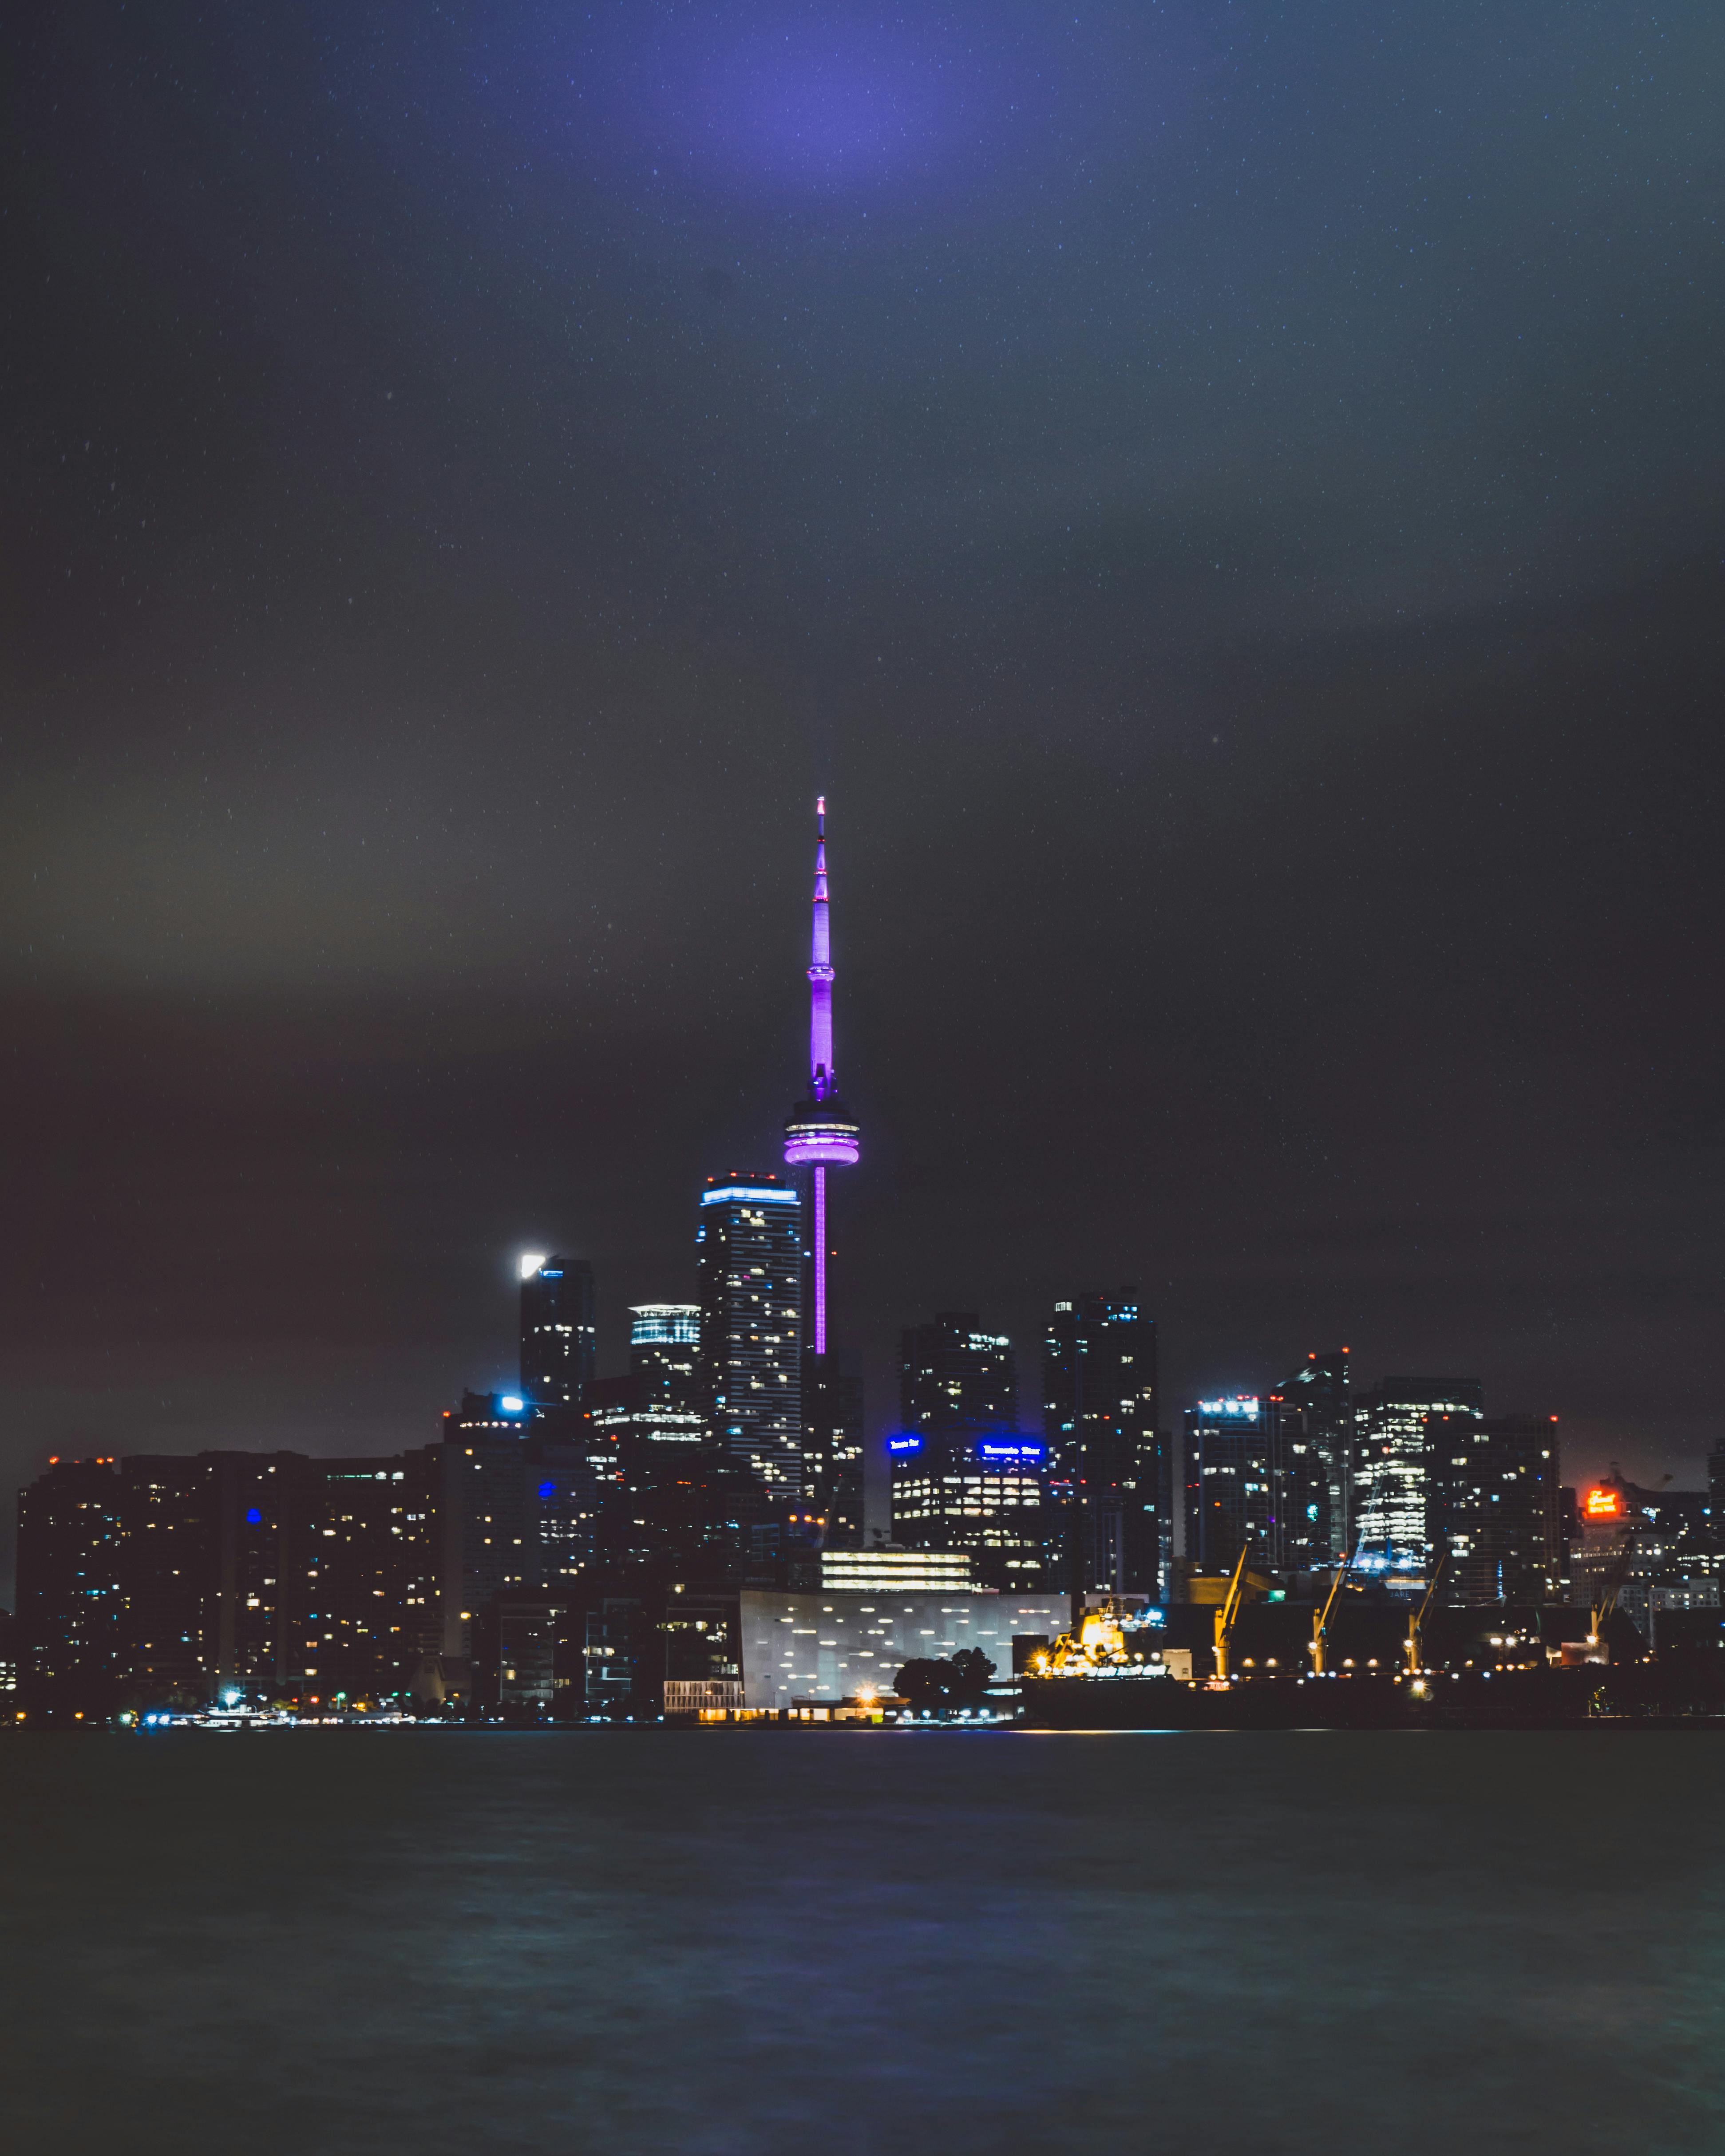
x=1224 y=502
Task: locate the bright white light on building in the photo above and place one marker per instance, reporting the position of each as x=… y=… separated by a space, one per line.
x=530 y=1261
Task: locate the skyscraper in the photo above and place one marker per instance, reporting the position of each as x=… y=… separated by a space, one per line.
x=664 y=1354
x=71 y=1588
x=979 y=1491
x=654 y=1418
x=559 y=1343
x=519 y=1492
x=1229 y=1494
x=1318 y=1391
x=1253 y=1474
x=1391 y=1473
x=962 y=1477
x=833 y=1448
x=1099 y=1391
x=373 y=1606
x=749 y=1269
x=173 y=1571
x=953 y=1375
x=1492 y=1503
x=1300 y=1472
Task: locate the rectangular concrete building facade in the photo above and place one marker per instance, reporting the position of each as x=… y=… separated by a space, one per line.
x=834 y=1644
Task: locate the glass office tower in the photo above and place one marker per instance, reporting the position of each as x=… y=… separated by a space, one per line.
x=749 y=1269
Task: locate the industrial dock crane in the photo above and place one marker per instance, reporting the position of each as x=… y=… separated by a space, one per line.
x=1320 y=1625
x=1230 y=1611
x=1415 y=1642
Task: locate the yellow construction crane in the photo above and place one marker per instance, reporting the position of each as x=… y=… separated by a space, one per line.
x=1321 y=1626
x=1230 y=1611
x=1416 y=1624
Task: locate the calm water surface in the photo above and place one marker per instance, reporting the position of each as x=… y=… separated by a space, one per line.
x=746 y=1943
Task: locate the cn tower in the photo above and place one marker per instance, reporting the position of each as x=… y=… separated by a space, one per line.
x=820 y=1133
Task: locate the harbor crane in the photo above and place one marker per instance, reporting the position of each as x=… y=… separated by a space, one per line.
x=1230 y=1611
x=1414 y=1643
x=1321 y=1624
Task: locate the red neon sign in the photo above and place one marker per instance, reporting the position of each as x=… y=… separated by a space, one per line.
x=1604 y=1504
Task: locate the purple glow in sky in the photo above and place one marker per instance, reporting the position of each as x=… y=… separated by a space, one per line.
x=818 y=105
x=831 y=100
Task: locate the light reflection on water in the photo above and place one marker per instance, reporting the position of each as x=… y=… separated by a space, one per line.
x=754 y=1943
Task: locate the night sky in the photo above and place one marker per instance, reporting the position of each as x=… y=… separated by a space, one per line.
x=1226 y=501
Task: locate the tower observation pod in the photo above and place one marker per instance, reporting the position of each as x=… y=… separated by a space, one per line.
x=820 y=1133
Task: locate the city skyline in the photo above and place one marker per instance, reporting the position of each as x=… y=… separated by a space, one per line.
x=560 y=1303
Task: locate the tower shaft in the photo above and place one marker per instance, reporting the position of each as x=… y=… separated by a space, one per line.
x=819 y=1323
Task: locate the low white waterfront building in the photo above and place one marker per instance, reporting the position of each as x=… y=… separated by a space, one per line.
x=834 y=1644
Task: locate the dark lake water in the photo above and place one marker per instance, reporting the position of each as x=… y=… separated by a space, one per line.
x=750 y=1942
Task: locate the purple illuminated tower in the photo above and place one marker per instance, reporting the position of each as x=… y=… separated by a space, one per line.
x=820 y=1134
